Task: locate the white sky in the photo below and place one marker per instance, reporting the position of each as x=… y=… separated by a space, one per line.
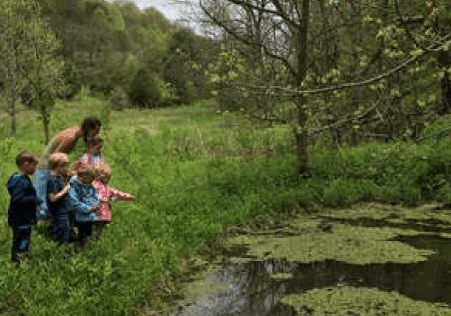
x=172 y=9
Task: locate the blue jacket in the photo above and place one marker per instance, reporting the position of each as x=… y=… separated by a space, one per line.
x=22 y=208
x=63 y=205
x=82 y=198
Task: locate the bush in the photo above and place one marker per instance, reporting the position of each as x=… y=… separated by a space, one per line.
x=119 y=99
x=144 y=91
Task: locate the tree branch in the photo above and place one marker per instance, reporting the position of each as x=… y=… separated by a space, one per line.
x=247 y=42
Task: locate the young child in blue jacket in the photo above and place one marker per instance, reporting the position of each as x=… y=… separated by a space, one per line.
x=22 y=208
x=58 y=200
x=84 y=201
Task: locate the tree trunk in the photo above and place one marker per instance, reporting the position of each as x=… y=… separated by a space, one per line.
x=301 y=132
x=45 y=122
x=445 y=85
x=13 y=116
x=301 y=138
x=13 y=106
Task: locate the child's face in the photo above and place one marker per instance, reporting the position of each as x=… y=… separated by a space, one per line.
x=86 y=179
x=30 y=167
x=93 y=132
x=96 y=147
x=104 y=178
x=63 y=169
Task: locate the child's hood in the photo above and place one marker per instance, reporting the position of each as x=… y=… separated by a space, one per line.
x=15 y=178
x=75 y=181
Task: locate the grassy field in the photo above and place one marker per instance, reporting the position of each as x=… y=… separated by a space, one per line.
x=195 y=172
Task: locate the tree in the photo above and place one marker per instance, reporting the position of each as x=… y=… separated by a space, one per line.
x=283 y=45
x=28 y=50
x=291 y=75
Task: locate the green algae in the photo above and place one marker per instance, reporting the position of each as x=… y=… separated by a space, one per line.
x=282 y=276
x=347 y=300
x=356 y=245
x=310 y=238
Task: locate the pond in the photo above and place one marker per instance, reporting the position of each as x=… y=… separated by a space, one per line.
x=372 y=259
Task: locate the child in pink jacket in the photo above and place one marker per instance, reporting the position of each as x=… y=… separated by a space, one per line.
x=105 y=193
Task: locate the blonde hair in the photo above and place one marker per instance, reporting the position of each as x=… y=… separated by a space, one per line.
x=57 y=159
x=87 y=169
x=103 y=169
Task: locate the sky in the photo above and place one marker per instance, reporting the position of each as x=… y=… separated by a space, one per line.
x=172 y=9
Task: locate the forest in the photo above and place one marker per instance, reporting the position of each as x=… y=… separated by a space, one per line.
x=335 y=72
x=53 y=49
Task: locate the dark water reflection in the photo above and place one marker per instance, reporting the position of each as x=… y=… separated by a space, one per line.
x=430 y=225
x=253 y=291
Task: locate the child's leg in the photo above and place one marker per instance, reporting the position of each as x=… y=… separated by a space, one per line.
x=21 y=242
x=84 y=232
x=61 y=229
x=98 y=227
x=73 y=235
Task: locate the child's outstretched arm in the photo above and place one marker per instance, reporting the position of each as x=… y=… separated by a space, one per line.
x=120 y=195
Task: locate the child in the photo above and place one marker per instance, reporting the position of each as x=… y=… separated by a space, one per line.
x=58 y=200
x=84 y=201
x=104 y=193
x=23 y=205
x=93 y=156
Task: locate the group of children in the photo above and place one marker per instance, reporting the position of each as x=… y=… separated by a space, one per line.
x=75 y=199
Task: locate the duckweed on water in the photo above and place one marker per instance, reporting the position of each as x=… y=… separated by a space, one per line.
x=347 y=300
x=282 y=276
x=356 y=245
x=371 y=260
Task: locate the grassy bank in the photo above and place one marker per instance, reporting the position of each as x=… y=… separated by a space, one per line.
x=195 y=172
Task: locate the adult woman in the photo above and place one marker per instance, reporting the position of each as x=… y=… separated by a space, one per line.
x=63 y=142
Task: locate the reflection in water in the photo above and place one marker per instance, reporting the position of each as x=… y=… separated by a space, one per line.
x=252 y=291
x=430 y=225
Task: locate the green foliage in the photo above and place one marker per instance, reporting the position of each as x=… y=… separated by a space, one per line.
x=195 y=173
x=144 y=91
x=119 y=99
x=118 y=20
x=83 y=94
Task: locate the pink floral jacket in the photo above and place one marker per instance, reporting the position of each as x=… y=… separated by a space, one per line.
x=104 y=192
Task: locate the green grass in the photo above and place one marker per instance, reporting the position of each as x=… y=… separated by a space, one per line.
x=196 y=172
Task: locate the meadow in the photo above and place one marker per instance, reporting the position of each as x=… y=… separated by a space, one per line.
x=196 y=172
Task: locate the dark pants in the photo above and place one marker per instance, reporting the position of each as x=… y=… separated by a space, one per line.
x=61 y=228
x=84 y=231
x=99 y=228
x=21 y=242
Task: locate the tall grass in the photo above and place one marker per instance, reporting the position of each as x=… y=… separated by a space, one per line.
x=195 y=172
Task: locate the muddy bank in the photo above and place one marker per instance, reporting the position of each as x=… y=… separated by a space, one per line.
x=371 y=259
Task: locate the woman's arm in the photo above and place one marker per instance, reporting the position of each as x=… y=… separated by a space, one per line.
x=67 y=141
x=66 y=145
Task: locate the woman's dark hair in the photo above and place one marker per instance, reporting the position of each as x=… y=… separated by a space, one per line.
x=87 y=124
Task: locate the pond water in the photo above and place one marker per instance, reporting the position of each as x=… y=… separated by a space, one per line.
x=372 y=260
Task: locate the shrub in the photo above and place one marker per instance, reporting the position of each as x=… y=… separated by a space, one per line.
x=144 y=91
x=119 y=99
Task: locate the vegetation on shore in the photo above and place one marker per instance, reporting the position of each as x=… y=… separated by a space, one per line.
x=196 y=172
